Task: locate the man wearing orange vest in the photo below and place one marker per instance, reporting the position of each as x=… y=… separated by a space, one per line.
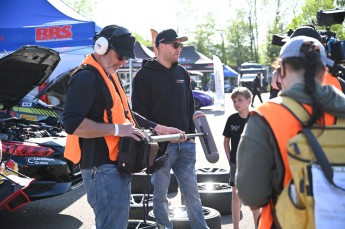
x=263 y=169
x=96 y=115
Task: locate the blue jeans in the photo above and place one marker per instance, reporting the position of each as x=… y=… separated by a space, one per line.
x=108 y=193
x=182 y=161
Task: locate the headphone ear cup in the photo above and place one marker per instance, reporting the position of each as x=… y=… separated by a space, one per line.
x=101 y=46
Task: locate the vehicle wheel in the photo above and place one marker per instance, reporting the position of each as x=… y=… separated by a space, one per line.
x=137 y=224
x=215 y=195
x=197 y=104
x=212 y=175
x=136 y=210
x=179 y=217
x=139 y=183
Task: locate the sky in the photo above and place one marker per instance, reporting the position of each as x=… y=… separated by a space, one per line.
x=140 y=16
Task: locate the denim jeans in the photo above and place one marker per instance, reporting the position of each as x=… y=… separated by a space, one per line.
x=182 y=161
x=108 y=193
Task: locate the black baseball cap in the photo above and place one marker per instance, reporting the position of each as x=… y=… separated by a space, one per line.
x=169 y=35
x=124 y=46
x=307 y=31
x=120 y=40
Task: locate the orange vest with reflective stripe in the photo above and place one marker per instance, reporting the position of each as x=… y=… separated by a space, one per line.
x=284 y=126
x=120 y=105
x=331 y=80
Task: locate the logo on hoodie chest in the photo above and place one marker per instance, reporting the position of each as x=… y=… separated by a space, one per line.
x=180 y=81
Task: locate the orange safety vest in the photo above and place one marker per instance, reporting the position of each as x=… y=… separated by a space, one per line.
x=120 y=105
x=331 y=80
x=284 y=126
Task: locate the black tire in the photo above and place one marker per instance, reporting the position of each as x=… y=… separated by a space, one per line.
x=181 y=221
x=217 y=175
x=137 y=224
x=136 y=210
x=217 y=196
x=197 y=104
x=140 y=184
x=137 y=201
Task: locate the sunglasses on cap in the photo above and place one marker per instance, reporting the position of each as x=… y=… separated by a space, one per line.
x=176 y=44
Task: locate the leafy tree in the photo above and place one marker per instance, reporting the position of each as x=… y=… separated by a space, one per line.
x=238 y=38
x=271 y=52
x=142 y=40
x=84 y=7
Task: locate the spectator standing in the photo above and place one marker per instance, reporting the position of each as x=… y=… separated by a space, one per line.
x=275 y=84
x=162 y=93
x=241 y=98
x=256 y=88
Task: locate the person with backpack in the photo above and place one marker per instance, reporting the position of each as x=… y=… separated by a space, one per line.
x=263 y=169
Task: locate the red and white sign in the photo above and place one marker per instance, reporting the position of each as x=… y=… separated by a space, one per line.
x=53 y=33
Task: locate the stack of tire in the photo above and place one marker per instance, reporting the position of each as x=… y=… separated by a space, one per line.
x=215 y=194
x=179 y=218
x=142 y=190
x=214 y=189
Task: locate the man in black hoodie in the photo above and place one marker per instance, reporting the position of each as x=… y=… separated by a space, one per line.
x=162 y=93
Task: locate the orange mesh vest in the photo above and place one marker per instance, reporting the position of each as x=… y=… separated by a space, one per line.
x=331 y=80
x=284 y=126
x=72 y=149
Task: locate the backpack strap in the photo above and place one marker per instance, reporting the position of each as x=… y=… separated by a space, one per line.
x=296 y=108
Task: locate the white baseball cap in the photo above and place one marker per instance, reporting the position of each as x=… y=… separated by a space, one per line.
x=292 y=48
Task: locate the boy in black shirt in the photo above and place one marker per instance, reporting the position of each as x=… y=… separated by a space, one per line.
x=241 y=98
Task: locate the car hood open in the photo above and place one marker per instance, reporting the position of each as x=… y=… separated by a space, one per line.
x=24 y=69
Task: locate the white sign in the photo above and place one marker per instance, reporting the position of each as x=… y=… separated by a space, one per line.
x=219 y=81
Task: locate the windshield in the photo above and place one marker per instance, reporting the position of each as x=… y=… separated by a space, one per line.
x=248 y=76
x=251 y=70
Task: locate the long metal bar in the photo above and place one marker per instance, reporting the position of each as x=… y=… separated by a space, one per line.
x=171 y=137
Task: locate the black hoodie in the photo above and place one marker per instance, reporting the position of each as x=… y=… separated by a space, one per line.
x=164 y=95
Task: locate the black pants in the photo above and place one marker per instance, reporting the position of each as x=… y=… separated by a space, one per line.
x=258 y=94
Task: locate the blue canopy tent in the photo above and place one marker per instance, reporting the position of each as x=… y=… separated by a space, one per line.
x=49 y=23
x=228 y=72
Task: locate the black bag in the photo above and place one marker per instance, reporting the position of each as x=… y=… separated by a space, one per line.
x=134 y=156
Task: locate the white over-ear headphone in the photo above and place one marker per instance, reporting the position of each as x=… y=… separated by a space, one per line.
x=101 y=46
x=102 y=41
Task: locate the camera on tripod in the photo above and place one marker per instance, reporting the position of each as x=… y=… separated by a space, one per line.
x=335 y=48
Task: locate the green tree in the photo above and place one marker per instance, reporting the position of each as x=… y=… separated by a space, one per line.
x=238 y=38
x=204 y=36
x=204 y=41
x=271 y=52
x=84 y=7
